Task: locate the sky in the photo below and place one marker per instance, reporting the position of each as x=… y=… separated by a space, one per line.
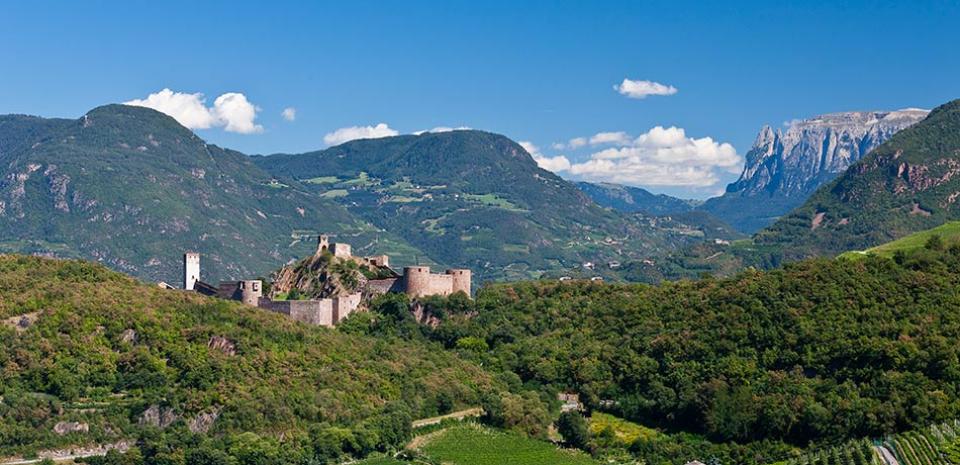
x=663 y=95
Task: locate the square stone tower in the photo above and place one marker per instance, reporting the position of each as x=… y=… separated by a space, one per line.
x=191 y=270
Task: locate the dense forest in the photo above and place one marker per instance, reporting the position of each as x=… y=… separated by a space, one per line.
x=818 y=352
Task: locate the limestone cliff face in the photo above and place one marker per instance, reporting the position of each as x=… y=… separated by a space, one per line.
x=785 y=166
x=810 y=152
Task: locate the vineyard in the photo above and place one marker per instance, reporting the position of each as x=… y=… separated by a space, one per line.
x=920 y=447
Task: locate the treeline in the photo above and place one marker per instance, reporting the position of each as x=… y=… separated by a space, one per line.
x=820 y=351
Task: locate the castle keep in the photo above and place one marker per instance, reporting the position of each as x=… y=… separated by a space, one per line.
x=415 y=281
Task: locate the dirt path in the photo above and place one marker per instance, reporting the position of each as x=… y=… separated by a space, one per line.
x=887 y=456
x=470 y=412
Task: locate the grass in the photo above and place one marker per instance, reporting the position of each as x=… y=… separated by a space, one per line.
x=473 y=444
x=332 y=194
x=624 y=432
x=381 y=461
x=323 y=180
x=949 y=232
x=492 y=200
x=516 y=248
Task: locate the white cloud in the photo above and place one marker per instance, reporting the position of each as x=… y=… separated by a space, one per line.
x=662 y=157
x=359 y=132
x=641 y=89
x=613 y=138
x=555 y=164
x=572 y=144
x=442 y=129
x=289 y=114
x=236 y=113
x=232 y=111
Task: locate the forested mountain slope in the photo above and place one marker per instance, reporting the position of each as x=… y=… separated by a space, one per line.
x=132 y=188
x=475 y=199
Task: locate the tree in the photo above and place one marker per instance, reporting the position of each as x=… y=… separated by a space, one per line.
x=573 y=427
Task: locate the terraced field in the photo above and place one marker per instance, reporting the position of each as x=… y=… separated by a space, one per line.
x=472 y=444
x=921 y=447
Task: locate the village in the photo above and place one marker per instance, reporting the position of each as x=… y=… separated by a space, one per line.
x=415 y=281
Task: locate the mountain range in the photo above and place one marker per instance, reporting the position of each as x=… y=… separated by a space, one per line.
x=785 y=166
x=133 y=189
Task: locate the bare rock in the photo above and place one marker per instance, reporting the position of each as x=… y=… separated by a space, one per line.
x=67 y=427
x=157 y=417
x=204 y=421
x=129 y=336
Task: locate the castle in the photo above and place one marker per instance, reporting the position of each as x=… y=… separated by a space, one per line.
x=416 y=282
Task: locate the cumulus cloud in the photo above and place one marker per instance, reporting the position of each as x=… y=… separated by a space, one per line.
x=662 y=157
x=231 y=111
x=555 y=164
x=572 y=144
x=289 y=114
x=612 y=138
x=359 y=132
x=641 y=89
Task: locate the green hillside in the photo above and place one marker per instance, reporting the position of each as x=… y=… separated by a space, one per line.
x=747 y=368
x=948 y=233
x=479 y=200
x=131 y=188
x=82 y=345
x=908 y=184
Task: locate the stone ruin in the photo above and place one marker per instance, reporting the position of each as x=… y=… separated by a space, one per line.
x=415 y=281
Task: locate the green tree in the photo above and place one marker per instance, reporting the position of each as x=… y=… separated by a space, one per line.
x=573 y=427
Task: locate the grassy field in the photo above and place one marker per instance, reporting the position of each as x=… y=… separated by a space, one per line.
x=476 y=445
x=949 y=232
x=623 y=431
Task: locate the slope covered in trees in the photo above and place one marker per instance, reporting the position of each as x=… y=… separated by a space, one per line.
x=820 y=351
x=90 y=356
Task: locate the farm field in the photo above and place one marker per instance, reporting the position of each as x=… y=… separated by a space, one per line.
x=473 y=444
x=927 y=446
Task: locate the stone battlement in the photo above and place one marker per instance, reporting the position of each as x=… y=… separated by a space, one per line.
x=416 y=282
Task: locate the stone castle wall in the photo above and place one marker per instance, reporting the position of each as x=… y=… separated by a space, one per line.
x=319 y=312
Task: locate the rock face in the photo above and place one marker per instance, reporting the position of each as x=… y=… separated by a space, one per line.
x=67 y=427
x=810 y=152
x=785 y=166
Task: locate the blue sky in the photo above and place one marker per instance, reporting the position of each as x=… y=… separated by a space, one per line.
x=542 y=72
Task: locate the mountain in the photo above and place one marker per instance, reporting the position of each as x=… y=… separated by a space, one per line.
x=91 y=356
x=784 y=167
x=634 y=199
x=132 y=188
x=909 y=183
x=475 y=199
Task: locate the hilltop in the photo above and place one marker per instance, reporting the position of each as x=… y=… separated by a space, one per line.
x=91 y=356
x=132 y=188
x=478 y=200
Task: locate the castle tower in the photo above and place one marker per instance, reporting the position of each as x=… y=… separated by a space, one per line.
x=191 y=270
x=416 y=280
x=251 y=291
x=461 y=280
x=341 y=250
x=323 y=244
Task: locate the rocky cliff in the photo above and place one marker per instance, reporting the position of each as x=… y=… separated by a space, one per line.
x=785 y=166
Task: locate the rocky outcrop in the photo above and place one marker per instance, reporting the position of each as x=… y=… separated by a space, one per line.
x=158 y=417
x=204 y=421
x=785 y=166
x=809 y=152
x=67 y=427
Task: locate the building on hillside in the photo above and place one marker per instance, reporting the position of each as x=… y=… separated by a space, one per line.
x=416 y=282
x=569 y=402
